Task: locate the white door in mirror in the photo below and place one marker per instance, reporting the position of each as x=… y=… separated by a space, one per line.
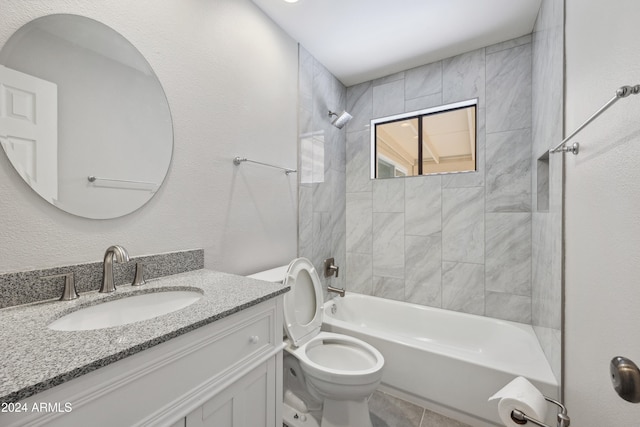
x=29 y=129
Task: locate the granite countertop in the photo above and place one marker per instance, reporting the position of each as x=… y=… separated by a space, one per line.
x=35 y=358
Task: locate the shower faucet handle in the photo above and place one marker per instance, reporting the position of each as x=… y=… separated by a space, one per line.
x=330 y=268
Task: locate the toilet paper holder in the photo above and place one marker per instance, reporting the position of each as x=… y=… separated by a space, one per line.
x=520 y=417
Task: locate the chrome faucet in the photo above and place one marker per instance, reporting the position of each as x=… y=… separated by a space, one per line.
x=329 y=270
x=336 y=290
x=121 y=255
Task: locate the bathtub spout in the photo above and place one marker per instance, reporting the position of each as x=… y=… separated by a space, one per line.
x=336 y=290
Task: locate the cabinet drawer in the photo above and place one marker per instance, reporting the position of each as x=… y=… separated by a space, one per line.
x=243 y=341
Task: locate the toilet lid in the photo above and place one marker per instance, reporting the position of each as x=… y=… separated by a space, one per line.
x=303 y=303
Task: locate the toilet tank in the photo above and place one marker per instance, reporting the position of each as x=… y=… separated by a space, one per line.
x=273 y=275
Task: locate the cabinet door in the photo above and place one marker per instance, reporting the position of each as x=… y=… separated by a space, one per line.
x=180 y=423
x=248 y=402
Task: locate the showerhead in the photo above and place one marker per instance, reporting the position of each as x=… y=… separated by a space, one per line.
x=341 y=119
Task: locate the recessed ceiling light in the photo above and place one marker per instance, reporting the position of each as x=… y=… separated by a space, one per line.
x=291 y=1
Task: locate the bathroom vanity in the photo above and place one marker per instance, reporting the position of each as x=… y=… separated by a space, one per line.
x=216 y=362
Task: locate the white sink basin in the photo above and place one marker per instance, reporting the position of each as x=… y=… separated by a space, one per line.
x=125 y=310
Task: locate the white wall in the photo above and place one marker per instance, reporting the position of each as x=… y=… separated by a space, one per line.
x=230 y=75
x=602 y=216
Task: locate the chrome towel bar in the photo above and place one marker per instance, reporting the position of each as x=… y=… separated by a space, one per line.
x=92 y=178
x=238 y=160
x=621 y=92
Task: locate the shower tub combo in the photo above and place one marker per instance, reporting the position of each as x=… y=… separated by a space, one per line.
x=446 y=361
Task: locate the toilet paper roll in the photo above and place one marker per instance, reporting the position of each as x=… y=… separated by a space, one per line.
x=520 y=394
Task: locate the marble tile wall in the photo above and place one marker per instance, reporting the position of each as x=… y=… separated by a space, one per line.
x=547 y=116
x=322 y=223
x=461 y=241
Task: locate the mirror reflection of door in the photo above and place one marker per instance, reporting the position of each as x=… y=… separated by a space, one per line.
x=29 y=129
x=108 y=130
x=439 y=140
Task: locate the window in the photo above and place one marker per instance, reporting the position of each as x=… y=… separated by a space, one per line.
x=432 y=141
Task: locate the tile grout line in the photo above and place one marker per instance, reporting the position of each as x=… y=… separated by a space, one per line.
x=424 y=411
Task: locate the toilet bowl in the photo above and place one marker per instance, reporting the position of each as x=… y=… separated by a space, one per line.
x=339 y=370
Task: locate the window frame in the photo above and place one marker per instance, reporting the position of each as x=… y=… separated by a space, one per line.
x=419 y=114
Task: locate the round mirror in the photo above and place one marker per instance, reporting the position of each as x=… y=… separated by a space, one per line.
x=83 y=118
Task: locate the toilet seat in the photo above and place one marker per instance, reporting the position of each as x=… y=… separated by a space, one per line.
x=303 y=303
x=340 y=359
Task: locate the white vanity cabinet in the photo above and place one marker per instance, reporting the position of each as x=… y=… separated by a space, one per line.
x=225 y=374
x=243 y=404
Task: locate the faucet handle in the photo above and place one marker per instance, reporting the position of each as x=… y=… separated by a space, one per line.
x=330 y=268
x=139 y=278
x=69 y=293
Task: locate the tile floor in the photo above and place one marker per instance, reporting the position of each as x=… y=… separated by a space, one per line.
x=389 y=411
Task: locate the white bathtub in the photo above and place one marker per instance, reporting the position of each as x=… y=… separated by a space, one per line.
x=449 y=362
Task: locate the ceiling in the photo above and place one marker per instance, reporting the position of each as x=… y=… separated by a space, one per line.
x=359 y=40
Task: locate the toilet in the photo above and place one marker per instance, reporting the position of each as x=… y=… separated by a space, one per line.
x=339 y=371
